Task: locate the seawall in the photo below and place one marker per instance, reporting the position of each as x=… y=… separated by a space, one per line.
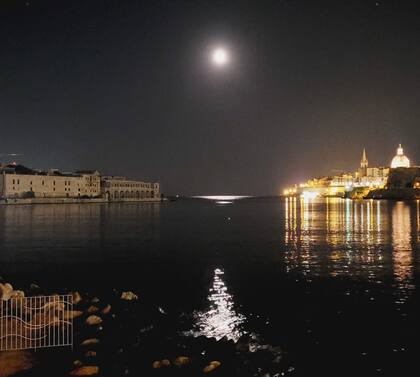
x=394 y=194
x=29 y=201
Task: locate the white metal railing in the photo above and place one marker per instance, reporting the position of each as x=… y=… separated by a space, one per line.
x=36 y=322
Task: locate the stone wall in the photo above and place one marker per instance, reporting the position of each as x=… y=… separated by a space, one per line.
x=402 y=177
x=394 y=194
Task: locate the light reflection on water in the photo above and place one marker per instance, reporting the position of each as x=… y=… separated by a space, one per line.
x=220 y=319
x=341 y=237
x=402 y=251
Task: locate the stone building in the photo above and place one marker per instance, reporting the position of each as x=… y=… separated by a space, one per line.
x=370 y=176
x=18 y=181
x=116 y=188
x=400 y=160
x=91 y=181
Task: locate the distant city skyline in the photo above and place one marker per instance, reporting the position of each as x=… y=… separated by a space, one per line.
x=209 y=97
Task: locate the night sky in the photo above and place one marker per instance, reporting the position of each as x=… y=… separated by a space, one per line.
x=127 y=87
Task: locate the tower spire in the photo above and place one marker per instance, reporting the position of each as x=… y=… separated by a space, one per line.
x=364 y=162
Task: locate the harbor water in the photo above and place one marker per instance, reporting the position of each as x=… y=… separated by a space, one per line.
x=333 y=283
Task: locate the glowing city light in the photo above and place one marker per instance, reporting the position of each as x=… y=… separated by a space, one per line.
x=400 y=160
x=309 y=195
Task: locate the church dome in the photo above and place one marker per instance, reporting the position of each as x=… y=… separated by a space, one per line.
x=400 y=160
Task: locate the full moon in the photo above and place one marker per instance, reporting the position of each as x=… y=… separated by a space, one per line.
x=219 y=56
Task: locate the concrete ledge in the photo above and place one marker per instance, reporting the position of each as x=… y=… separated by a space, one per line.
x=395 y=194
x=75 y=201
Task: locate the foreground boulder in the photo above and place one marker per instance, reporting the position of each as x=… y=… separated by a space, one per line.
x=129 y=296
x=85 y=371
x=107 y=309
x=93 y=320
x=90 y=342
x=92 y=309
x=212 y=366
x=76 y=297
x=13 y=362
x=6 y=291
x=181 y=360
x=17 y=294
x=69 y=314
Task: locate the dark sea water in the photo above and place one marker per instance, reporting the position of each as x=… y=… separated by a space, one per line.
x=333 y=283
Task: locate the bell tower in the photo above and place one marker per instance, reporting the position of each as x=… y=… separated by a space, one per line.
x=364 y=161
x=363 y=165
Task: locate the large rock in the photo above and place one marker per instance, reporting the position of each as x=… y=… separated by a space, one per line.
x=34 y=287
x=93 y=320
x=209 y=368
x=17 y=294
x=76 y=297
x=13 y=362
x=129 y=296
x=90 y=342
x=85 y=371
x=156 y=364
x=92 y=309
x=107 y=309
x=212 y=366
x=181 y=360
x=69 y=314
x=6 y=291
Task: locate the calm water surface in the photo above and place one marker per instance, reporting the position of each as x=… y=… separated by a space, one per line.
x=334 y=283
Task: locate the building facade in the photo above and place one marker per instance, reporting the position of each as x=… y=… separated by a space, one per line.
x=20 y=182
x=17 y=181
x=115 y=188
x=400 y=160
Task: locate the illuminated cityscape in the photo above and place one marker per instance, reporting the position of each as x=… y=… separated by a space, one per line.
x=362 y=182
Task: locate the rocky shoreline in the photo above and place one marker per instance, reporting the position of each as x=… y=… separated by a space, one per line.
x=118 y=335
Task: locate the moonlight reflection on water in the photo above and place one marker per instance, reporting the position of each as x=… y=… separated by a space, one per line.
x=220 y=319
